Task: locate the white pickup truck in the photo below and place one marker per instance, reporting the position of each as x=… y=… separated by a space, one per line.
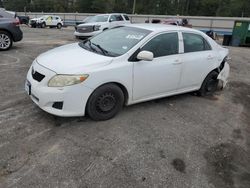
x=96 y=24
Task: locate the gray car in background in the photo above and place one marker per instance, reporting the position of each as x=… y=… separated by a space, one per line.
x=9 y=29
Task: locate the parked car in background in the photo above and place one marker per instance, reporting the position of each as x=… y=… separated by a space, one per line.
x=9 y=29
x=96 y=24
x=172 y=21
x=47 y=21
x=7 y=14
x=24 y=19
x=124 y=66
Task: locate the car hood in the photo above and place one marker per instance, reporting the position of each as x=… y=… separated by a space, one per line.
x=72 y=59
x=91 y=24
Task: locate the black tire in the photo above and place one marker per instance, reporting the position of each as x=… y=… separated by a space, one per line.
x=59 y=26
x=6 y=41
x=105 y=29
x=43 y=25
x=209 y=85
x=105 y=102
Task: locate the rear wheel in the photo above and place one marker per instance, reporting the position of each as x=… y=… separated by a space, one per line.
x=105 y=102
x=210 y=84
x=5 y=40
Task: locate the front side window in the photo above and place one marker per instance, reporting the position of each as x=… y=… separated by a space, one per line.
x=163 y=45
x=112 y=18
x=194 y=43
x=115 y=42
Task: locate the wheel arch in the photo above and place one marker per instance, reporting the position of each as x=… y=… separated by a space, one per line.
x=120 y=85
x=7 y=31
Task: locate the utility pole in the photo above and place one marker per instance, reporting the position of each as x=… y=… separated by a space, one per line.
x=1 y=4
x=134 y=6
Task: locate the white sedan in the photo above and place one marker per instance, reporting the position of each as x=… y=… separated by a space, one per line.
x=124 y=66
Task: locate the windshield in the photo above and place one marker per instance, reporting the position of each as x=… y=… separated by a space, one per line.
x=115 y=42
x=86 y=20
x=100 y=18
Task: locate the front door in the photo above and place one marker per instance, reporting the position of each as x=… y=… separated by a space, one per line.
x=162 y=75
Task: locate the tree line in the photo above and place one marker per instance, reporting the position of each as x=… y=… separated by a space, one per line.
x=237 y=8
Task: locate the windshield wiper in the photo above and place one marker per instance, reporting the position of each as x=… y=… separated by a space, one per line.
x=105 y=52
x=90 y=45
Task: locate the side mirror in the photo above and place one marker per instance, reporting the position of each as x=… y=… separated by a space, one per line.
x=146 y=56
x=111 y=20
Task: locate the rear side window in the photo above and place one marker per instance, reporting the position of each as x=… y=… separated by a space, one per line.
x=194 y=43
x=118 y=18
x=163 y=45
x=126 y=17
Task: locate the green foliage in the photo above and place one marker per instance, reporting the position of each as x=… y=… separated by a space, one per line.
x=163 y=7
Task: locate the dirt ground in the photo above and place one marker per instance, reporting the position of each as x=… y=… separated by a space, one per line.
x=180 y=141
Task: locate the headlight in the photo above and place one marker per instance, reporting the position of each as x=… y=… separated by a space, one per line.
x=66 y=80
x=96 y=27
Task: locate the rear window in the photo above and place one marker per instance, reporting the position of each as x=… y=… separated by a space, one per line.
x=126 y=17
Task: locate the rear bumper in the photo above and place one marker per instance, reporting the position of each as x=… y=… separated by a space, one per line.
x=17 y=34
x=224 y=74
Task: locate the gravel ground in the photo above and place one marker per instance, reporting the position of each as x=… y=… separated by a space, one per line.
x=180 y=141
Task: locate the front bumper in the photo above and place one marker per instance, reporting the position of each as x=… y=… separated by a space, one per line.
x=90 y=34
x=73 y=98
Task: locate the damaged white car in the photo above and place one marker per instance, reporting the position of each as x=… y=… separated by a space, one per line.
x=124 y=66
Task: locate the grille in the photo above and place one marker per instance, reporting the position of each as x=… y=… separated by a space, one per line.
x=37 y=76
x=85 y=29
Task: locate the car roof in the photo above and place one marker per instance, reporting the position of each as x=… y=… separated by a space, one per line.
x=162 y=27
x=7 y=14
x=110 y=14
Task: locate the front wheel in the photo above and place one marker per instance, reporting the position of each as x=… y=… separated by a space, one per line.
x=59 y=26
x=43 y=25
x=5 y=41
x=209 y=85
x=105 y=102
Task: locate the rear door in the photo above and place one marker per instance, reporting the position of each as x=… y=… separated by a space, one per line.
x=197 y=58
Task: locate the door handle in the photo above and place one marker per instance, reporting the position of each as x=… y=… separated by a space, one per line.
x=177 y=62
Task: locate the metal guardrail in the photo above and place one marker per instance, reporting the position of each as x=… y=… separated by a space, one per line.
x=221 y=25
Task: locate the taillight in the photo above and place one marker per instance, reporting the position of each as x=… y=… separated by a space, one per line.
x=16 y=22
